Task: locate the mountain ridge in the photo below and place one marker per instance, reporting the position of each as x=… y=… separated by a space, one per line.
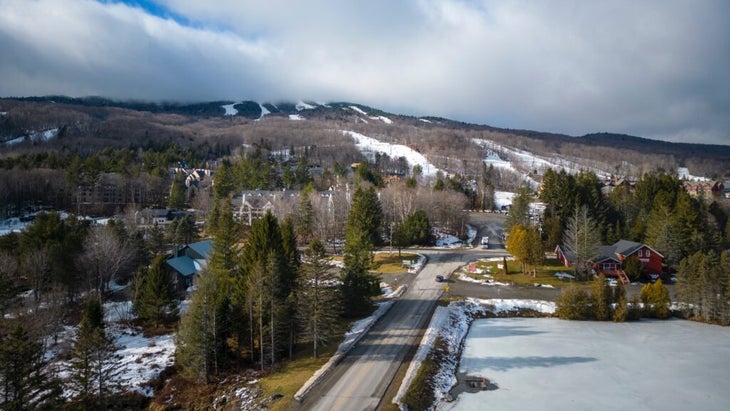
x=103 y=113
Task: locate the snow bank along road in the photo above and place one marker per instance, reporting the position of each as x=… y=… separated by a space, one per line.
x=359 y=382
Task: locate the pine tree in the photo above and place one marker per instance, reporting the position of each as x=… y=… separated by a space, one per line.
x=662 y=237
x=176 y=200
x=519 y=212
x=266 y=262
x=156 y=302
x=362 y=234
x=26 y=381
x=223 y=182
x=224 y=257
x=198 y=350
x=318 y=299
x=287 y=282
x=366 y=217
x=417 y=229
x=94 y=361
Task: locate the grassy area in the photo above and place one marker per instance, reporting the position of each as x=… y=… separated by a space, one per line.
x=387 y=263
x=290 y=378
x=545 y=273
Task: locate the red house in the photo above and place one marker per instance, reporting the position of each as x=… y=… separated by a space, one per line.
x=610 y=258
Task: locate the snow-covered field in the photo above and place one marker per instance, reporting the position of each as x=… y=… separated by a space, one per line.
x=550 y=364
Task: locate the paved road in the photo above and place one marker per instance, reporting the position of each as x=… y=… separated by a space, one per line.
x=361 y=379
x=359 y=382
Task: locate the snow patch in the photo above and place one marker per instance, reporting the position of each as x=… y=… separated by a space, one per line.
x=358 y=110
x=385 y=120
x=503 y=198
x=295 y=117
x=369 y=146
x=230 y=111
x=36 y=136
x=301 y=105
x=264 y=111
x=451 y=324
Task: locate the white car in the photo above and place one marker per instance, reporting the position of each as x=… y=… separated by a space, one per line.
x=485 y=242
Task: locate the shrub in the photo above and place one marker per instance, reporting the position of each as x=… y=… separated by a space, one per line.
x=601 y=299
x=632 y=267
x=574 y=304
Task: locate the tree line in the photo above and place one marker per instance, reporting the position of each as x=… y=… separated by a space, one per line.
x=258 y=300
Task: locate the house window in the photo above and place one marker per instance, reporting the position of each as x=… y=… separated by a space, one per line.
x=640 y=253
x=648 y=253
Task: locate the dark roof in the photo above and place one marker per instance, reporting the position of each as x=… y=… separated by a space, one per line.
x=191 y=258
x=200 y=250
x=183 y=265
x=569 y=255
x=605 y=252
x=625 y=247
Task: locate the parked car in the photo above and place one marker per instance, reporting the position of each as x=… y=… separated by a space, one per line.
x=485 y=242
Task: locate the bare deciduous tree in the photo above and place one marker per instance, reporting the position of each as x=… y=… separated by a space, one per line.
x=105 y=255
x=36 y=266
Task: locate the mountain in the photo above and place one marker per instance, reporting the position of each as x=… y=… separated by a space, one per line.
x=85 y=123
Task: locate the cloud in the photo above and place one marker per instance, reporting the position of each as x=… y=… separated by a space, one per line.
x=654 y=68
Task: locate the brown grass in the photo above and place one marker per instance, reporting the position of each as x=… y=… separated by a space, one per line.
x=545 y=273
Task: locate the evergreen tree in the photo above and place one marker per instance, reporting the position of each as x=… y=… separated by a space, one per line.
x=287 y=281
x=519 y=212
x=183 y=230
x=621 y=312
x=156 y=301
x=662 y=237
x=176 y=199
x=416 y=229
x=94 y=361
x=633 y=268
x=223 y=182
x=267 y=263
x=224 y=258
x=198 y=339
x=573 y=303
x=601 y=299
x=26 y=381
x=363 y=173
x=655 y=298
x=366 y=216
x=362 y=234
x=8 y=286
x=318 y=300
x=155 y=239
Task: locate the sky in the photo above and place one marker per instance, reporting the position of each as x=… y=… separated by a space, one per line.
x=652 y=68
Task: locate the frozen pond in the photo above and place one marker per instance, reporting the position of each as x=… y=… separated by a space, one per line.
x=550 y=364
